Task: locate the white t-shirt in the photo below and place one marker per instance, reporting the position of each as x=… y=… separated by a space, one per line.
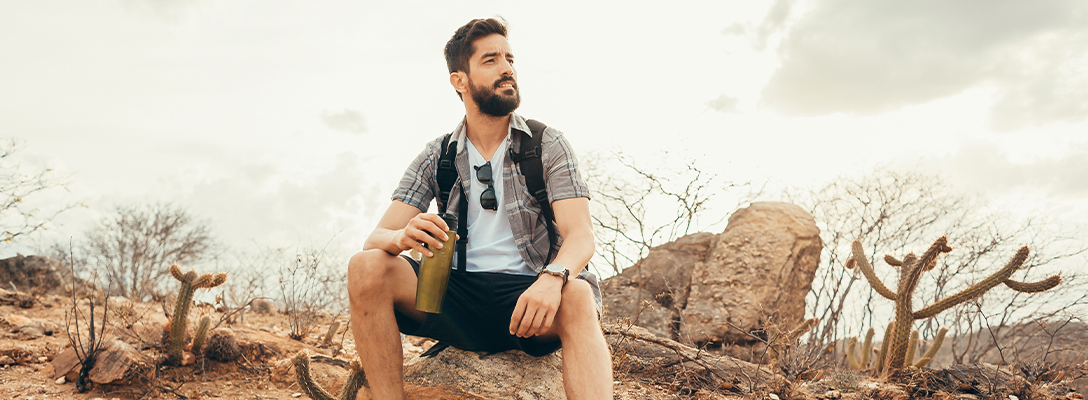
x=491 y=246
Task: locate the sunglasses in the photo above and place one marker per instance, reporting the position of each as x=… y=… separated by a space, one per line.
x=487 y=198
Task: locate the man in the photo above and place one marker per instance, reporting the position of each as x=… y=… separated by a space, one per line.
x=508 y=298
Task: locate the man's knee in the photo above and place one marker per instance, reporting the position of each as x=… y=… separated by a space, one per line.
x=367 y=270
x=579 y=301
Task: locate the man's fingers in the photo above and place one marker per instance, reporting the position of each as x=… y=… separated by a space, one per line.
x=547 y=325
x=538 y=320
x=515 y=318
x=526 y=322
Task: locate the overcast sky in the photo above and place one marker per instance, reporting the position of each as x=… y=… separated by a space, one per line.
x=284 y=122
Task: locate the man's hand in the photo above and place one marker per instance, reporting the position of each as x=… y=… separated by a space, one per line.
x=415 y=234
x=537 y=306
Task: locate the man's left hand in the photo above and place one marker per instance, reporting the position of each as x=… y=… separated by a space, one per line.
x=537 y=306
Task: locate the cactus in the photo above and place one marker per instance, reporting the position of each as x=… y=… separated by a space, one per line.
x=335 y=326
x=201 y=333
x=897 y=343
x=190 y=282
x=355 y=380
x=860 y=361
x=933 y=348
x=222 y=346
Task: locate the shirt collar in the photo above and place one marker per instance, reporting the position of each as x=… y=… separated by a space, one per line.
x=516 y=122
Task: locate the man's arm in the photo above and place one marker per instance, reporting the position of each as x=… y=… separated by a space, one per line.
x=405 y=227
x=536 y=308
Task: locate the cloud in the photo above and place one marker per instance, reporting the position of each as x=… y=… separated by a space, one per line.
x=349 y=121
x=269 y=205
x=874 y=56
x=164 y=10
x=724 y=104
x=983 y=166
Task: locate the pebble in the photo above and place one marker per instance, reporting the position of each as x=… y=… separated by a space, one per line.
x=43 y=359
x=60 y=381
x=296 y=395
x=5 y=360
x=773 y=396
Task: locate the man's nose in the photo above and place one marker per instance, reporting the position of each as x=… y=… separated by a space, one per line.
x=507 y=69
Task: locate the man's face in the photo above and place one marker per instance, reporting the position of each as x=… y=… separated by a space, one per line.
x=492 y=80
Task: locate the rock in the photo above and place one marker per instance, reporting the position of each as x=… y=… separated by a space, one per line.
x=117 y=362
x=760 y=269
x=31 y=332
x=757 y=271
x=33 y=274
x=507 y=375
x=5 y=360
x=24 y=325
x=665 y=276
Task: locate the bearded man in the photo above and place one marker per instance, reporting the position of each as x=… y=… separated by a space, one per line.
x=519 y=289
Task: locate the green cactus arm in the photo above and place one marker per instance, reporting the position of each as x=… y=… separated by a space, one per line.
x=867 y=347
x=882 y=355
x=1034 y=287
x=933 y=348
x=977 y=289
x=851 y=358
x=301 y=362
x=175 y=270
x=355 y=381
x=201 y=333
x=208 y=281
x=912 y=348
x=892 y=260
x=867 y=270
x=179 y=320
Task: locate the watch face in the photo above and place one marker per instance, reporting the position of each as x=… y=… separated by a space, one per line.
x=555 y=268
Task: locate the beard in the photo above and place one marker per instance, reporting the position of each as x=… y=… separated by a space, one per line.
x=494 y=104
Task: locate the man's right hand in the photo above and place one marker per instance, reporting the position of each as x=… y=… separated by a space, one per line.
x=420 y=230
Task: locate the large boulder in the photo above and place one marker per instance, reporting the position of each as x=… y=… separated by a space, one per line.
x=757 y=271
x=506 y=375
x=31 y=273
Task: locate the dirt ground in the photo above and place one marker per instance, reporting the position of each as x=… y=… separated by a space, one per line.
x=27 y=372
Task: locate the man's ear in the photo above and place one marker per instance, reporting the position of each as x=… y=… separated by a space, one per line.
x=459 y=81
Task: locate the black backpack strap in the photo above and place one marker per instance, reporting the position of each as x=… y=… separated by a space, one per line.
x=462 y=232
x=446 y=174
x=532 y=168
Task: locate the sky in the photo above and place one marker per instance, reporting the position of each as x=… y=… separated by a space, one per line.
x=288 y=122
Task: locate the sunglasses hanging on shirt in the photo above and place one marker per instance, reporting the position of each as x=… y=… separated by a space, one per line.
x=487 y=198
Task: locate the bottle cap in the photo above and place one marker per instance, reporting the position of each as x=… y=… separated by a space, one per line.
x=451 y=220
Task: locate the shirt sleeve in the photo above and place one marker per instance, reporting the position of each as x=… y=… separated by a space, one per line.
x=416 y=186
x=561 y=168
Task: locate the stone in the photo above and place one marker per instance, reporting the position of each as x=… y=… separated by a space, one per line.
x=5 y=360
x=119 y=362
x=757 y=272
x=506 y=375
x=34 y=274
x=654 y=291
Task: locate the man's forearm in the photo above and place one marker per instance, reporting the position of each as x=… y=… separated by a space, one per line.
x=384 y=239
x=576 y=251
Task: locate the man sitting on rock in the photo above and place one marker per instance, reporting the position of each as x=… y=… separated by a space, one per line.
x=509 y=296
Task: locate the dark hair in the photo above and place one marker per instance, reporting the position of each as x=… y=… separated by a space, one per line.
x=460 y=47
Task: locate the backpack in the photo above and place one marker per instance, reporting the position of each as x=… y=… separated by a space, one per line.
x=532 y=168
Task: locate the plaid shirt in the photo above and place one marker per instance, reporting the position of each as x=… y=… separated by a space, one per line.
x=419 y=186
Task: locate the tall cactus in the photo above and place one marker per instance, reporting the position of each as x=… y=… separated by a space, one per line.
x=190 y=282
x=355 y=381
x=897 y=338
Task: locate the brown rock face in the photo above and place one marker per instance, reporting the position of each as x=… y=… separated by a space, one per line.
x=761 y=267
x=507 y=375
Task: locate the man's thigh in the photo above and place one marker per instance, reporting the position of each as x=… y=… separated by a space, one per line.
x=403 y=282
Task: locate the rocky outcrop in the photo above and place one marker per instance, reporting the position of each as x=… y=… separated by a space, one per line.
x=507 y=375
x=30 y=273
x=692 y=290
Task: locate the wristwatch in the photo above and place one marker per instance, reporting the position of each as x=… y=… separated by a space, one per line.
x=557 y=270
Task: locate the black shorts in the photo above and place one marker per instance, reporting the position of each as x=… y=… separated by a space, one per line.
x=476 y=314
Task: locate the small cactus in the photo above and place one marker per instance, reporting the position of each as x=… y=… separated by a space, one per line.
x=190 y=282
x=222 y=345
x=201 y=333
x=860 y=361
x=354 y=382
x=262 y=306
x=894 y=350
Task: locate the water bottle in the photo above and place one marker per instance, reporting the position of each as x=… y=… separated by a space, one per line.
x=434 y=272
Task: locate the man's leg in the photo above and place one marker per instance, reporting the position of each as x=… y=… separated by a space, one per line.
x=587 y=365
x=377 y=283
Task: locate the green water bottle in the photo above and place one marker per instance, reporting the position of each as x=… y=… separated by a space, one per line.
x=434 y=272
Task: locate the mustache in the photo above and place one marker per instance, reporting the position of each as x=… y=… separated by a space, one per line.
x=506 y=79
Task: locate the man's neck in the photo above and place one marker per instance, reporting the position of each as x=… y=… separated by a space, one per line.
x=486 y=132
